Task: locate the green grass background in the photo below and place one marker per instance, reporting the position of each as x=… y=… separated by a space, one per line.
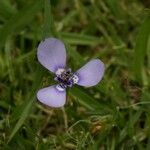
x=115 y=114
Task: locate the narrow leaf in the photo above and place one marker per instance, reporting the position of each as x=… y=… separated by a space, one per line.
x=23 y=116
x=19 y=20
x=141 y=50
x=48 y=28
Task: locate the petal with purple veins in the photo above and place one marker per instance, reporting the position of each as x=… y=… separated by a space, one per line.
x=52 y=97
x=91 y=73
x=52 y=54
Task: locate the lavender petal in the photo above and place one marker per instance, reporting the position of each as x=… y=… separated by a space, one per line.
x=52 y=97
x=52 y=54
x=91 y=73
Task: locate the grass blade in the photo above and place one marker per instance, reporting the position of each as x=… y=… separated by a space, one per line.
x=48 y=28
x=23 y=117
x=141 y=50
x=21 y=19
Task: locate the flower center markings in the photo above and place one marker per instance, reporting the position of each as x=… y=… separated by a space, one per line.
x=65 y=78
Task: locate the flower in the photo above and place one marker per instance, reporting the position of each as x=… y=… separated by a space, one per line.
x=51 y=54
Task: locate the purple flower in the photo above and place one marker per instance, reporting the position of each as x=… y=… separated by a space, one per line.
x=52 y=55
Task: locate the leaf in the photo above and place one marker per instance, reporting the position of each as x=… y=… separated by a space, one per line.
x=19 y=20
x=114 y=7
x=28 y=102
x=141 y=50
x=23 y=117
x=48 y=28
x=6 y=10
x=88 y=101
x=81 y=97
x=81 y=39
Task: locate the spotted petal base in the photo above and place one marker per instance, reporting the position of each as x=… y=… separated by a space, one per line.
x=65 y=78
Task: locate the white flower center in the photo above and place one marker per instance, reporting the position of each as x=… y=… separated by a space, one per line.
x=75 y=78
x=60 y=71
